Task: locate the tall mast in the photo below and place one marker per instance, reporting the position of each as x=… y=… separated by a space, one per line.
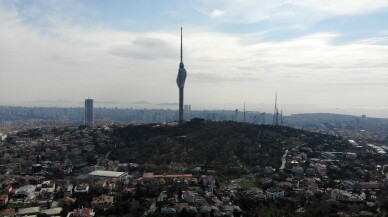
x=276 y=112
x=181 y=47
x=276 y=101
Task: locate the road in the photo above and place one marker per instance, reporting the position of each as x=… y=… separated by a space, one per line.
x=107 y=155
x=284 y=160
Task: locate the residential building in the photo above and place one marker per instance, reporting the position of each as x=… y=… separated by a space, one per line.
x=81 y=189
x=341 y=195
x=65 y=190
x=103 y=201
x=274 y=193
x=84 y=212
x=3 y=200
x=25 y=192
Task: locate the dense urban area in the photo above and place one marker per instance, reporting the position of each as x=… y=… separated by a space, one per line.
x=138 y=162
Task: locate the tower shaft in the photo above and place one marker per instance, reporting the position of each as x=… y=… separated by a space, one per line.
x=281 y=117
x=181 y=120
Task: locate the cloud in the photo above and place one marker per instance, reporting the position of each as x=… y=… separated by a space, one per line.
x=376 y=41
x=70 y=62
x=217 y=13
x=343 y=7
x=289 y=11
x=143 y=48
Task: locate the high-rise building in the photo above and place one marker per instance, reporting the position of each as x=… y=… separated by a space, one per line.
x=88 y=112
x=180 y=81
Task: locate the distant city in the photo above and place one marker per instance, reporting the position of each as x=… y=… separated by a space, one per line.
x=35 y=117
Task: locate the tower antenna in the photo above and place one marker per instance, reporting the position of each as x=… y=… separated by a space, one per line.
x=276 y=100
x=276 y=112
x=181 y=46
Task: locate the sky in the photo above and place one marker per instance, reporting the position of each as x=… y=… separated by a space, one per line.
x=319 y=56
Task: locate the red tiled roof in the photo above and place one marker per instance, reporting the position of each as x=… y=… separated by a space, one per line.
x=85 y=212
x=7 y=211
x=33 y=177
x=69 y=199
x=102 y=199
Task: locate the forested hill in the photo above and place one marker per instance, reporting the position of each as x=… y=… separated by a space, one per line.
x=219 y=145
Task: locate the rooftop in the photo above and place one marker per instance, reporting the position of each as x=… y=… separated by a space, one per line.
x=52 y=211
x=102 y=173
x=30 y=210
x=103 y=199
x=152 y=175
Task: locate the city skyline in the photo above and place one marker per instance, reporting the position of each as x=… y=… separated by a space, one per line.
x=315 y=54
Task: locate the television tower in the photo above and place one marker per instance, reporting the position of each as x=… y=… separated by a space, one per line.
x=180 y=81
x=276 y=111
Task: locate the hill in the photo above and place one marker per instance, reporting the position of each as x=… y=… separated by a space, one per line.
x=227 y=147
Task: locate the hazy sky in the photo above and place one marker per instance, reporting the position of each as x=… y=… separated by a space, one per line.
x=327 y=56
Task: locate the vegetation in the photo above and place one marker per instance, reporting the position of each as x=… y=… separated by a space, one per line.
x=228 y=147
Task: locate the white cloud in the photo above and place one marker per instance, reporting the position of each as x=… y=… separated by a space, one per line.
x=217 y=13
x=343 y=7
x=289 y=11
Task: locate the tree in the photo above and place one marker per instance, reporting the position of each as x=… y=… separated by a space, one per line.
x=179 y=193
x=183 y=213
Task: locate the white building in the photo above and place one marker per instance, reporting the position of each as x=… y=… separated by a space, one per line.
x=81 y=189
x=341 y=195
x=101 y=174
x=25 y=192
x=65 y=190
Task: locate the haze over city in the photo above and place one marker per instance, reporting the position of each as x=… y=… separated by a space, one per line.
x=320 y=56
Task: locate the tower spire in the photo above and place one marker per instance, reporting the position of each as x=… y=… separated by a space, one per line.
x=276 y=111
x=181 y=46
x=276 y=100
